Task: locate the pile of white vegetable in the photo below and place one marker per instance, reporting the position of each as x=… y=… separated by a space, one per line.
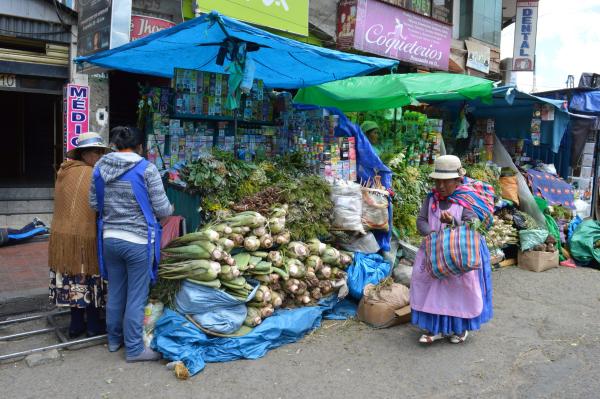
x=248 y=246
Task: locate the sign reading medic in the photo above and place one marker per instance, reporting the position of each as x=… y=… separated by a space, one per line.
x=396 y=33
x=525 y=35
x=76 y=111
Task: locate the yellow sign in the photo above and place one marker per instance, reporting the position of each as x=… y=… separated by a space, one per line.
x=286 y=15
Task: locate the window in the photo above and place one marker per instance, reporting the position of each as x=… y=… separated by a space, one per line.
x=481 y=19
x=440 y=10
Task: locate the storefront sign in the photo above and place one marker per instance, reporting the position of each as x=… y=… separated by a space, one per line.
x=525 y=35
x=478 y=56
x=396 y=33
x=142 y=25
x=7 y=80
x=76 y=110
x=286 y=15
x=103 y=24
x=346 y=24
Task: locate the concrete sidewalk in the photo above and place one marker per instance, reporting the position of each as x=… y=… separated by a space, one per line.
x=24 y=277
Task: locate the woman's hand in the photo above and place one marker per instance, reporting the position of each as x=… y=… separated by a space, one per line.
x=446 y=217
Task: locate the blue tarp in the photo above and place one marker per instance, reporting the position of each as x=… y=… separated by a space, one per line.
x=179 y=339
x=280 y=62
x=368 y=163
x=586 y=101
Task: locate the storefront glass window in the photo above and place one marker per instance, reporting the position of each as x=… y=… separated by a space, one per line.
x=481 y=19
x=436 y=9
x=487 y=20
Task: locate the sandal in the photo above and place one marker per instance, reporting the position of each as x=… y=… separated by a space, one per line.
x=459 y=339
x=429 y=339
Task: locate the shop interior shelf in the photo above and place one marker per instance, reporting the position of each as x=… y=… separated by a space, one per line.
x=221 y=118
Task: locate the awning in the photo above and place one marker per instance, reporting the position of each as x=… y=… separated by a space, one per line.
x=280 y=62
x=369 y=93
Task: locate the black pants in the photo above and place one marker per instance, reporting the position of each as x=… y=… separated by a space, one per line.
x=94 y=325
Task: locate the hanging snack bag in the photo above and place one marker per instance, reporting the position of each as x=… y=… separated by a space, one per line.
x=347 y=211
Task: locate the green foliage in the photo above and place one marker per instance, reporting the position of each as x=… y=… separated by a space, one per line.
x=310 y=206
x=411 y=185
x=487 y=174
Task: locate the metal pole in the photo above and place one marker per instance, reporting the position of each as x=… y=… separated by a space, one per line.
x=27 y=334
x=56 y=346
x=29 y=318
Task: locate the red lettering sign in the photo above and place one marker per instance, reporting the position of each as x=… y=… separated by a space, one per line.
x=142 y=25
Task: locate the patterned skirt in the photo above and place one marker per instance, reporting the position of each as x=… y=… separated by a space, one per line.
x=77 y=291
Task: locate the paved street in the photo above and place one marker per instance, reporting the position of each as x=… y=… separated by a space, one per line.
x=544 y=342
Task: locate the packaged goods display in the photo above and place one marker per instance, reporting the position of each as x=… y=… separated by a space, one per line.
x=422 y=138
x=188 y=121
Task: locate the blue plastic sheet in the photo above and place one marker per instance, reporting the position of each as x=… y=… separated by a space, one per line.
x=366 y=269
x=213 y=309
x=280 y=62
x=573 y=226
x=179 y=339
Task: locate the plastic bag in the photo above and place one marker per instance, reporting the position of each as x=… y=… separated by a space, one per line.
x=532 y=238
x=573 y=227
x=214 y=310
x=403 y=273
x=365 y=243
x=152 y=312
x=583 y=243
x=510 y=188
x=366 y=269
x=375 y=209
x=347 y=211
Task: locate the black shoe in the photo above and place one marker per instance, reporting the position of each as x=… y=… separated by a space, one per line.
x=76 y=334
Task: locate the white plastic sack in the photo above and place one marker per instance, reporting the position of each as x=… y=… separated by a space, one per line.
x=375 y=209
x=403 y=273
x=347 y=210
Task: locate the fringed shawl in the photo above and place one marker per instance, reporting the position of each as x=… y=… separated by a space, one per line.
x=73 y=247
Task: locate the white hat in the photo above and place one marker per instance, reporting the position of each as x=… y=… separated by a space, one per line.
x=447 y=167
x=88 y=140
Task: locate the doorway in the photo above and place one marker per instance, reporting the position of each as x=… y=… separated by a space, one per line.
x=32 y=135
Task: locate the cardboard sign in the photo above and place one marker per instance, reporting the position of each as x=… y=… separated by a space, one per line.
x=76 y=112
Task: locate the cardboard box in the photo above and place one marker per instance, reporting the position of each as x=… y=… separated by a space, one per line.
x=538 y=261
x=381 y=315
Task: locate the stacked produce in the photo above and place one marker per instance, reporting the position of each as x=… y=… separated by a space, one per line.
x=247 y=249
x=502 y=233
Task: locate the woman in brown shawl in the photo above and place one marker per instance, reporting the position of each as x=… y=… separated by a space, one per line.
x=73 y=255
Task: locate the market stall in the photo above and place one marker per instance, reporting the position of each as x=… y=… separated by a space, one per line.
x=273 y=188
x=499 y=137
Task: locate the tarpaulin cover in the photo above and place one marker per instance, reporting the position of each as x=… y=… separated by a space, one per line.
x=582 y=245
x=368 y=162
x=280 y=62
x=552 y=188
x=586 y=101
x=366 y=269
x=179 y=339
x=369 y=93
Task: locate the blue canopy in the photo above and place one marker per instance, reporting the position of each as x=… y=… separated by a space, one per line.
x=280 y=62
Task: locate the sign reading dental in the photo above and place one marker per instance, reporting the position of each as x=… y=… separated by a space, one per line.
x=76 y=111
x=525 y=34
x=286 y=15
x=396 y=33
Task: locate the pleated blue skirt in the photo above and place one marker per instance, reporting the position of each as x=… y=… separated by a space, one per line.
x=448 y=325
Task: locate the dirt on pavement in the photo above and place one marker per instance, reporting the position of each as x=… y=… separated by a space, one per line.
x=544 y=342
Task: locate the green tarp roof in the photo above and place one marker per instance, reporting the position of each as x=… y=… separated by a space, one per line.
x=369 y=93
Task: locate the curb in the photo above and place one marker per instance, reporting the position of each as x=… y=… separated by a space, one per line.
x=27 y=301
